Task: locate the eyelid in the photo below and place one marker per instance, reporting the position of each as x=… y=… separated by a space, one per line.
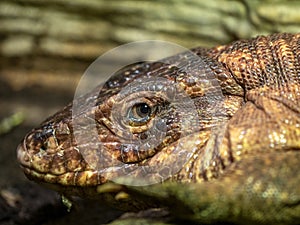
x=141 y=101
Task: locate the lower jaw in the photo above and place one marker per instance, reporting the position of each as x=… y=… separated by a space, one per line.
x=115 y=195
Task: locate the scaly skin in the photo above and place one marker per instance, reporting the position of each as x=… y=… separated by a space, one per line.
x=231 y=156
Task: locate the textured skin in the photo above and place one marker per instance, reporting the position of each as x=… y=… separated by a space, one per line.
x=245 y=155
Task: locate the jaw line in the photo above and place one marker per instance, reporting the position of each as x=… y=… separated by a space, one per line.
x=103 y=191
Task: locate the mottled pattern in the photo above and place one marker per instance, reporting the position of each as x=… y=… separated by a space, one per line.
x=233 y=155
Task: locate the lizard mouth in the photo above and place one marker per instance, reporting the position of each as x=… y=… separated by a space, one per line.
x=84 y=183
x=41 y=166
x=69 y=168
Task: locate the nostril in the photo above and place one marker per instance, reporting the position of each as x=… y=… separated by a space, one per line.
x=43 y=146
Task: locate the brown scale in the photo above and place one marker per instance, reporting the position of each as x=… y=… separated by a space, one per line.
x=253 y=122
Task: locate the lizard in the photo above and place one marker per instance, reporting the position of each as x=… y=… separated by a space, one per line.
x=233 y=158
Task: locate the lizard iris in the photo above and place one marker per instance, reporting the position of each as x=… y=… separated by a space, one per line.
x=140 y=113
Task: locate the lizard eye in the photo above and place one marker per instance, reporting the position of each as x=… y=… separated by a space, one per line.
x=140 y=113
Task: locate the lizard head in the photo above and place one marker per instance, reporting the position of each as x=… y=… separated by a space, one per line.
x=146 y=124
x=160 y=121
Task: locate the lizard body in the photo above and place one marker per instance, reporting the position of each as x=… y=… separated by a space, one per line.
x=242 y=147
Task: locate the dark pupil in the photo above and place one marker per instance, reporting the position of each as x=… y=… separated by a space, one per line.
x=143 y=109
